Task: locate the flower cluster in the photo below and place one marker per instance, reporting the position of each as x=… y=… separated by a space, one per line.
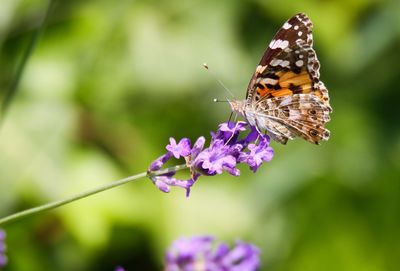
x=203 y=253
x=228 y=147
x=3 y=257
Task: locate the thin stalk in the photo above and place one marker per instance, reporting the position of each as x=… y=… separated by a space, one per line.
x=58 y=203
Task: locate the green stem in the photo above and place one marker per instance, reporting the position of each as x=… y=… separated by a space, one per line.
x=58 y=203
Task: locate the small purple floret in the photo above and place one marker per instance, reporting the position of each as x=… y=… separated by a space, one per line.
x=180 y=149
x=228 y=130
x=259 y=153
x=213 y=160
x=162 y=182
x=197 y=147
x=160 y=161
x=204 y=253
x=242 y=257
x=3 y=257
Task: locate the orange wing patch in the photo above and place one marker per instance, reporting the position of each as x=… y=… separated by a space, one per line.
x=286 y=83
x=263 y=90
x=282 y=92
x=298 y=79
x=295 y=82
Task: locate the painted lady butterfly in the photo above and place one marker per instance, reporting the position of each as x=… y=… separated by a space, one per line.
x=285 y=97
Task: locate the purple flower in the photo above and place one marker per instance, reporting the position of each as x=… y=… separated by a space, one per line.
x=214 y=159
x=3 y=257
x=204 y=253
x=119 y=268
x=259 y=153
x=180 y=149
x=252 y=136
x=163 y=182
x=198 y=146
x=242 y=257
x=229 y=130
x=160 y=161
x=229 y=146
x=184 y=254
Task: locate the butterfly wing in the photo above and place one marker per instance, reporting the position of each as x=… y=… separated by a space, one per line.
x=298 y=27
x=289 y=70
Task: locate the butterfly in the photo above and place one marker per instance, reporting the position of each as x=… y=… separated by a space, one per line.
x=285 y=96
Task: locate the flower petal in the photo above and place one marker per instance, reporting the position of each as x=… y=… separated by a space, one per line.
x=180 y=149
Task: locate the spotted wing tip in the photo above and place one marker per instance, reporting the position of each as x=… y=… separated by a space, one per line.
x=303 y=15
x=325 y=137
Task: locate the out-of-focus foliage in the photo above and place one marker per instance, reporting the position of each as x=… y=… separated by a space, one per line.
x=110 y=81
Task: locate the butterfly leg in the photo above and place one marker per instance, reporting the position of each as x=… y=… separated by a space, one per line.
x=258 y=128
x=233 y=134
x=230 y=117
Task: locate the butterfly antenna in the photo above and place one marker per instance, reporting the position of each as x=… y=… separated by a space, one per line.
x=219 y=81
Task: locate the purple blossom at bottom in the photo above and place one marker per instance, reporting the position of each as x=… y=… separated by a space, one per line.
x=119 y=268
x=203 y=253
x=3 y=257
x=231 y=144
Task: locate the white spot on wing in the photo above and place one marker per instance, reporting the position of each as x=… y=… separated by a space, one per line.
x=279 y=44
x=309 y=37
x=280 y=62
x=284 y=44
x=260 y=69
x=287 y=25
x=276 y=62
x=299 y=63
x=271 y=43
x=300 y=33
x=269 y=81
x=296 y=27
x=285 y=63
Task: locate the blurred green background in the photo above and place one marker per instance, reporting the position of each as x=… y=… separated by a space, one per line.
x=110 y=81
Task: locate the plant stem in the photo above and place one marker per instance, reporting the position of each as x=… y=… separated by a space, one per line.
x=58 y=203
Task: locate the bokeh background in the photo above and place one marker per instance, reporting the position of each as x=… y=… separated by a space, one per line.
x=108 y=82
